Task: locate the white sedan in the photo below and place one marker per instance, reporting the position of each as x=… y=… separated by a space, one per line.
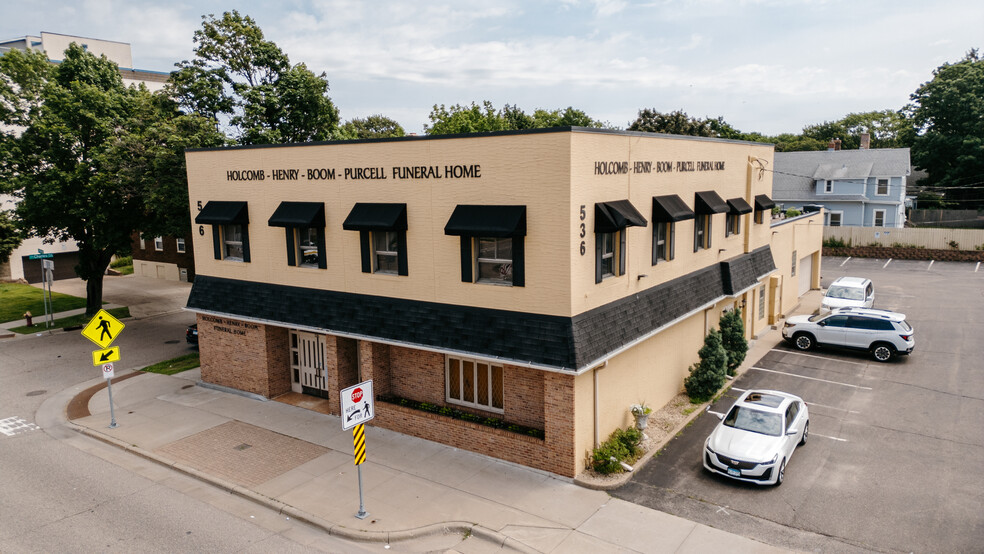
x=757 y=437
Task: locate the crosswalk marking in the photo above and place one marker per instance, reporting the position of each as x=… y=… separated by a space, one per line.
x=14 y=426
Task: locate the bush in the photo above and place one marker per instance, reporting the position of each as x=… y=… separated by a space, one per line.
x=622 y=445
x=793 y=212
x=954 y=245
x=834 y=243
x=708 y=375
x=733 y=339
x=120 y=262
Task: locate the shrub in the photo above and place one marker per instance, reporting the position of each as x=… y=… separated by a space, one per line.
x=708 y=375
x=904 y=245
x=622 y=445
x=733 y=339
x=775 y=210
x=793 y=212
x=875 y=244
x=834 y=242
x=120 y=262
x=954 y=245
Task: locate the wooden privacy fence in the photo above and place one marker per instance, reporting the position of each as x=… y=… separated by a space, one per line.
x=936 y=239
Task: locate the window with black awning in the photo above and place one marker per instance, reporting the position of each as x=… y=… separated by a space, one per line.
x=709 y=202
x=230 y=228
x=762 y=204
x=667 y=210
x=492 y=243
x=736 y=208
x=611 y=220
x=304 y=226
x=382 y=236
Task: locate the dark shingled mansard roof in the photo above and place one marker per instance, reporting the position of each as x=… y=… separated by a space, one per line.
x=568 y=343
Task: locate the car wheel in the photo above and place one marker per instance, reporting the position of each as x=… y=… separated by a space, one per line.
x=882 y=352
x=806 y=433
x=803 y=341
x=782 y=472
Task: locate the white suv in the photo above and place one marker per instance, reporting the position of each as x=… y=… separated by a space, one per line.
x=881 y=332
x=848 y=292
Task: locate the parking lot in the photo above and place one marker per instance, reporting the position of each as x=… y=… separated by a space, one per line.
x=895 y=460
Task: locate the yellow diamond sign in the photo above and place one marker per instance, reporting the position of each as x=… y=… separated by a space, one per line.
x=102 y=329
x=99 y=357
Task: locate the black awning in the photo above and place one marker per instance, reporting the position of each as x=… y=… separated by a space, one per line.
x=223 y=213
x=708 y=202
x=487 y=221
x=738 y=206
x=298 y=214
x=616 y=215
x=671 y=208
x=376 y=217
x=763 y=203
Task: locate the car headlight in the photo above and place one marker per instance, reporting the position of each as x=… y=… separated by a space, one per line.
x=775 y=458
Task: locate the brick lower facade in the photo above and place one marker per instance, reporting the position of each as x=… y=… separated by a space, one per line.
x=256 y=358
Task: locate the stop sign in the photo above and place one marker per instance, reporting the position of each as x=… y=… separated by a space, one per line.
x=356 y=395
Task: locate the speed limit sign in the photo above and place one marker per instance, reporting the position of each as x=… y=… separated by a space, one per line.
x=108 y=371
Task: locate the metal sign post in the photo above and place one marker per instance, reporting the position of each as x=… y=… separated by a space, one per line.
x=108 y=373
x=358 y=408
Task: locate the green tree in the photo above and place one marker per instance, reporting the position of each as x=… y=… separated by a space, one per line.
x=948 y=116
x=374 y=126
x=10 y=236
x=242 y=80
x=887 y=128
x=707 y=376
x=733 y=339
x=673 y=123
x=460 y=119
x=55 y=166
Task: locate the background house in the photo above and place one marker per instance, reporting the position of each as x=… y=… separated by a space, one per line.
x=864 y=187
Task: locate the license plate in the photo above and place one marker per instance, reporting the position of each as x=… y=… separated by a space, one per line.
x=734 y=472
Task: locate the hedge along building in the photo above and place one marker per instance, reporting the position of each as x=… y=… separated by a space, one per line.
x=542 y=281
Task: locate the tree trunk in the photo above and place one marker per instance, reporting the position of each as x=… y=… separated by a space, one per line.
x=93 y=294
x=92 y=269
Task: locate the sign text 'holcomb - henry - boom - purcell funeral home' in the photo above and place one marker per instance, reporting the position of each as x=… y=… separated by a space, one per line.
x=457 y=171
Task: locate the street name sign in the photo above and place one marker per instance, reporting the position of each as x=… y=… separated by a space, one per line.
x=40 y=256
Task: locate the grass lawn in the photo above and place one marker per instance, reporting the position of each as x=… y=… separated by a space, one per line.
x=75 y=320
x=176 y=365
x=17 y=298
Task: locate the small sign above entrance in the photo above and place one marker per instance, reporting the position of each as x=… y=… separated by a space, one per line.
x=357 y=405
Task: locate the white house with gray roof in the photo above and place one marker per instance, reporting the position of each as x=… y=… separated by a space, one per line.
x=864 y=187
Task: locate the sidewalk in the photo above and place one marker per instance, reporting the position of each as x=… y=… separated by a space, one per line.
x=298 y=463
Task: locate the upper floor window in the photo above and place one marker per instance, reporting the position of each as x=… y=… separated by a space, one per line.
x=828 y=186
x=492 y=243
x=611 y=222
x=706 y=204
x=159 y=244
x=142 y=241
x=881 y=187
x=763 y=205
x=304 y=230
x=230 y=229
x=180 y=242
x=667 y=210
x=382 y=236
x=737 y=207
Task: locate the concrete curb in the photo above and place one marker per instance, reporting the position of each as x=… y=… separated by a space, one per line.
x=335 y=529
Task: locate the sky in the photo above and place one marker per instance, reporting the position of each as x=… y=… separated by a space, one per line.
x=769 y=66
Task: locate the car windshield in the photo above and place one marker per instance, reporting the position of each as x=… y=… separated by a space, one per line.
x=756 y=421
x=847 y=293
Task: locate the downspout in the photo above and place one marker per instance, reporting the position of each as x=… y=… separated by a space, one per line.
x=751 y=200
x=597 y=424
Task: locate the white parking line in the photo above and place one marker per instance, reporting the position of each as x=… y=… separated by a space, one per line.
x=976 y=267
x=827 y=437
x=812 y=378
x=886 y=263
x=845 y=261
x=832 y=407
x=817 y=357
x=930 y=264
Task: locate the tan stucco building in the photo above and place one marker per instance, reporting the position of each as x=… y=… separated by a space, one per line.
x=540 y=281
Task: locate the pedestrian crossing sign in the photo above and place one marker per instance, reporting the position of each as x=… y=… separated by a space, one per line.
x=102 y=329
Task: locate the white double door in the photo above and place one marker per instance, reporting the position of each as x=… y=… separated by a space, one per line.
x=308 y=361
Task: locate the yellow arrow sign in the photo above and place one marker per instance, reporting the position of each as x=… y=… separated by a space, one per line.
x=102 y=329
x=99 y=357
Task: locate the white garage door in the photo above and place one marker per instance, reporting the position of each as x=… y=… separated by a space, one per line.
x=805 y=272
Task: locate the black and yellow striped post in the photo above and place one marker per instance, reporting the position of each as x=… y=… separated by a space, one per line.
x=359 y=441
x=359 y=444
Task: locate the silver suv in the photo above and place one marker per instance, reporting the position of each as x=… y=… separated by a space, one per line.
x=881 y=332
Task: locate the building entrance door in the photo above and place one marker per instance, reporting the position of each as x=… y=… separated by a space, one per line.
x=307 y=361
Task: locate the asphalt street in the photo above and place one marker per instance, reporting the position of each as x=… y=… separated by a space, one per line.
x=895 y=461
